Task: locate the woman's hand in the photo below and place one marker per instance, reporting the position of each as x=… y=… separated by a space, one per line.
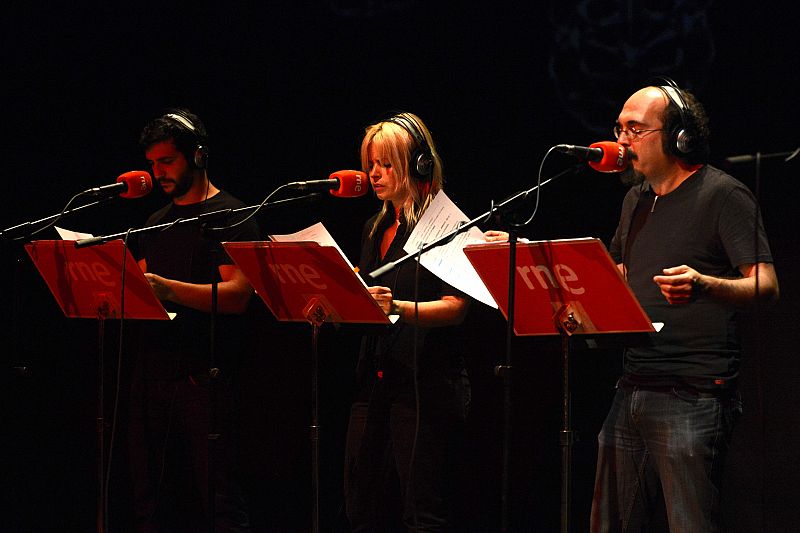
x=382 y=295
x=495 y=236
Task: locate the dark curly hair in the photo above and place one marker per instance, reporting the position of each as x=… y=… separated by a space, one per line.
x=696 y=125
x=182 y=126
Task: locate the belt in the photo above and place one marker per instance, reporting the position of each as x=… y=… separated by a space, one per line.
x=726 y=392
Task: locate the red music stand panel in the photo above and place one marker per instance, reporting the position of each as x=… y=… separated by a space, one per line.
x=557 y=278
x=290 y=276
x=87 y=282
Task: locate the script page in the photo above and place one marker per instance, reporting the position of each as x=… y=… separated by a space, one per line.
x=448 y=261
x=319 y=234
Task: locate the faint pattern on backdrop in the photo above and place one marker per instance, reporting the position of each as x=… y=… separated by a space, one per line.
x=603 y=49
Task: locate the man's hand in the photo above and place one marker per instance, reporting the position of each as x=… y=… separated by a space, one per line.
x=160 y=287
x=679 y=284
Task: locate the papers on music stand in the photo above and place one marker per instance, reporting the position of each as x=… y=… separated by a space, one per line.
x=319 y=234
x=69 y=235
x=448 y=261
x=299 y=279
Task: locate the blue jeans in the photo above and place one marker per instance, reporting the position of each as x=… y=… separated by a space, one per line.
x=669 y=442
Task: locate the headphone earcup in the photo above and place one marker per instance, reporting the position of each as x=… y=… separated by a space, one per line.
x=682 y=141
x=420 y=162
x=200 y=158
x=421 y=165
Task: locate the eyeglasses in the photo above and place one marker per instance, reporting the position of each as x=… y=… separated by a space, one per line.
x=632 y=133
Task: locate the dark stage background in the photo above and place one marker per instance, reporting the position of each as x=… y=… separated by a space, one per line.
x=285 y=90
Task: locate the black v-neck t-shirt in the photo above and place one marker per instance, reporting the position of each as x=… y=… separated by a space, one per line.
x=710 y=223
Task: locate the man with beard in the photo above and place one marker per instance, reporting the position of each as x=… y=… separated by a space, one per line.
x=181 y=398
x=692 y=246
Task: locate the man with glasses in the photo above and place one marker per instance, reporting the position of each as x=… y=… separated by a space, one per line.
x=692 y=246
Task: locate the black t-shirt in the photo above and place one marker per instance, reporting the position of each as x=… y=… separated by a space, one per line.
x=182 y=252
x=709 y=223
x=438 y=350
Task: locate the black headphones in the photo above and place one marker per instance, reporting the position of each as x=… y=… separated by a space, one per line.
x=680 y=138
x=178 y=117
x=421 y=158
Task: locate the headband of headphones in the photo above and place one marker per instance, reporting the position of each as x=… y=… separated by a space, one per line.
x=421 y=158
x=200 y=152
x=680 y=136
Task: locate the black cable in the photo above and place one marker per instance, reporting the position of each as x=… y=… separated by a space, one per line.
x=167 y=430
x=252 y=213
x=759 y=348
x=415 y=371
x=117 y=387
x=538 y=189
x=52 y=222
x=180 y=334
x=505 y=370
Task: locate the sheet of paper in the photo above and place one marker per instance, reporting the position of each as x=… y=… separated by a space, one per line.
x=319 y=234
x=448 y=261
x=69 y=235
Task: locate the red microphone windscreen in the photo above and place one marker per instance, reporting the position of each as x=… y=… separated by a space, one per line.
x=139 y=183
x=352 y=183
x=615 y=157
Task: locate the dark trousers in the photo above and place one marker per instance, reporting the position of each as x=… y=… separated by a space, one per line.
x=169 y=442
x=386 y=444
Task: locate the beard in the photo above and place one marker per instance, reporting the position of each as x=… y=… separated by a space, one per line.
x=182 y=185
x=630 y=177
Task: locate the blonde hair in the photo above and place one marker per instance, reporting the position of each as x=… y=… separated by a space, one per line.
x=395 y=144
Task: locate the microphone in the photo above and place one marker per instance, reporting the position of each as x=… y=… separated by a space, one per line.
x=343 y=184
x=603 y=156
x=133 y=184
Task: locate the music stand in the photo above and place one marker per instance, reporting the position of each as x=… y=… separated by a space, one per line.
x=87 y=283
x=564 y=287
x=306 y=282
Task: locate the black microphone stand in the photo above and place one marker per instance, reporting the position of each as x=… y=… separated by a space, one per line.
x=758 y=322
x=504 y=208
x=213 y=374
x=21 y=233
x=504 y=372
x=757 y=306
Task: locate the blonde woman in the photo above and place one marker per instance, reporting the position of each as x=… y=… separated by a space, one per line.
x=413 y=391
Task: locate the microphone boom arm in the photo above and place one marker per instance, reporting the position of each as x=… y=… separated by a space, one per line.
x=201 y=219
x=747 y=158
x=508 y=205
x=30 y=224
